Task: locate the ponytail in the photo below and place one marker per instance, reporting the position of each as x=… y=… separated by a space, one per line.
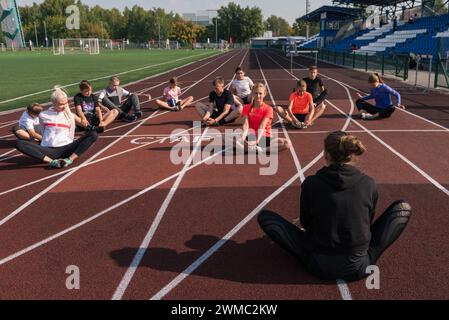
x=341 y=147
x=375 y=77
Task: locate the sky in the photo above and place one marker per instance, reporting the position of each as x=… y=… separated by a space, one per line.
x=287 y=9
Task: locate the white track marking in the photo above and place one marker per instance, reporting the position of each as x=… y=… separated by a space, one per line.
x=361 y=91
x=69 y=172
x=90 y=163
x=104 y=77
x=36 y=245
x=102 y=213
x=340 y=283
x=126 y=280
x=8 y=124
x=197 y=263
x=292 y=150
x=138 y=81
x=7 y=153
x=401 y=156
x=397 y=153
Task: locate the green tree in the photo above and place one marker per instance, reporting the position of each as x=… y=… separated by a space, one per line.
x=187 y=32
x=278 y=25
x=440 y=7
x=300 y=28
x=239 y=23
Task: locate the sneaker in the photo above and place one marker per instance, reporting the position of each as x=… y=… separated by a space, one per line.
x=178 y=106
x=91 y=128
x=138 y=114
x=367 y=116
x=66 y=162
x=57 y=164
x=100 y=129
x=295 y=126
x=303 y=125
x=129 y=118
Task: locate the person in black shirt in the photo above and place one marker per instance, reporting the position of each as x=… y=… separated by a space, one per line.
x=334 y=237
x=316 y=88
x=90 y=111
x=223 y=108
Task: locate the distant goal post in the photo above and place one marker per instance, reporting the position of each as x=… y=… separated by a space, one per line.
x=76 y=46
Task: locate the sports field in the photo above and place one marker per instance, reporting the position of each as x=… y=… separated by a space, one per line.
x=139 y=226
x=31 y=75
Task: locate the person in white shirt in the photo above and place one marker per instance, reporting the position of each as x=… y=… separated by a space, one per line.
x=242 y=86
x=29 y=126
x=58 y=147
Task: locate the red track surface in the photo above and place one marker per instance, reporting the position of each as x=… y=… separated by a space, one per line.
x=212 y=200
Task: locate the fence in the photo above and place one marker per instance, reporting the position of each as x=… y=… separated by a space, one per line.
x=387 y=64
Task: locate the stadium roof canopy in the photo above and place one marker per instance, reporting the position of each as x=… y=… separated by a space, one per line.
x=339 y=12
x=366 y=3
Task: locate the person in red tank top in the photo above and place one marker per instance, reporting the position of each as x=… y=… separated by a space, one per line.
x=300 y=110
x=257 y=120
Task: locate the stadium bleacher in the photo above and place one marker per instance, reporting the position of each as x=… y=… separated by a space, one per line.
x=417 y=37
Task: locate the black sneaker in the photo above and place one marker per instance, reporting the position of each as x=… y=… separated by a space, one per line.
x=100 y=129
x=138 y=114
x=129 y=118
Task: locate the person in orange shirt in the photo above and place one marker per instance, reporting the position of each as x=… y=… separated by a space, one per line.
x=257 y=120
x=300 y=110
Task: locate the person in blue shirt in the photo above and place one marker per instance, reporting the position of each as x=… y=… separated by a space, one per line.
x=381 y=93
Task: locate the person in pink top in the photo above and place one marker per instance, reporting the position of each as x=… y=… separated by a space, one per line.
x=257 y=120
x=171 y=100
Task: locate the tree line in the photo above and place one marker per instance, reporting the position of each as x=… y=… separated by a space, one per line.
x=139 y=25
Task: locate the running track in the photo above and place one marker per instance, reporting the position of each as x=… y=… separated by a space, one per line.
x=197 y=220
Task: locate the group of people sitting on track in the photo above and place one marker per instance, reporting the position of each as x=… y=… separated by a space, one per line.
x=334 y=237
x=41 y=131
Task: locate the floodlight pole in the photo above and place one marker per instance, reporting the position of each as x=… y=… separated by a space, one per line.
x=216 y=31
x=307 y=23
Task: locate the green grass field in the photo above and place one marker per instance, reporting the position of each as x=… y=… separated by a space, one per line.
x=26 y=73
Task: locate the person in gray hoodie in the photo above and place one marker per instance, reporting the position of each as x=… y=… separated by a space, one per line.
x=335 y=237
x=114 y=97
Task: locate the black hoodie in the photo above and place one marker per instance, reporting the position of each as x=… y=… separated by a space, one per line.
x=337 y=208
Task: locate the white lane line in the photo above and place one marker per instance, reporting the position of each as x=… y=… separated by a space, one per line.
x=361 y=91
x=60 y=234
x=292 y=150
x=104 y=77
x=7 y=153
x=69 y=172
x=397 y=153
x=137 y=81
x=102 y=213
x=88 y=164
x=8 y=124
x=67 y=175
x=126 y=280
x=197 y=263
x=342 y=286
x=291 y=132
